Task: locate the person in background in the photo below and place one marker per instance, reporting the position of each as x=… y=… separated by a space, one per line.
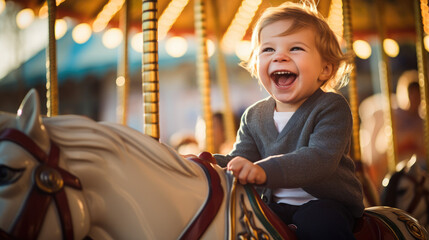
x=407 y=123
x=220 y=143
x=408 y=119
x=185 y=143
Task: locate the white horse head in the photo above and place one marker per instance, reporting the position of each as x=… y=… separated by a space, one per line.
x=20 y=172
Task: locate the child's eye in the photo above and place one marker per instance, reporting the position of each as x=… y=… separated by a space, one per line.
x=268 y=49
x=296 y=49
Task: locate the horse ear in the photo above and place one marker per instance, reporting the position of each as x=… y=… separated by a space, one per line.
x=29 y=120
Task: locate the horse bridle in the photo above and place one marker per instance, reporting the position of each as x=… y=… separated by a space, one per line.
x=48 y=182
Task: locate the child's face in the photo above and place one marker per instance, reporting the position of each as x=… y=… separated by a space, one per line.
x=290 y=67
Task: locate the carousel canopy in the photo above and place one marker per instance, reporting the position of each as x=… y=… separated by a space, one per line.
x=227 y=21
x=398 y=14
x=23 y=48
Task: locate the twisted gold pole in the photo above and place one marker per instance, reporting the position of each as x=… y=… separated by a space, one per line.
x=203 y=71
x=51 y=63
x=353 y=93
x=222 y=77
x=370 y=193
x=386 y=89
x=421 y=64
x=122 y=80
x=150 y=69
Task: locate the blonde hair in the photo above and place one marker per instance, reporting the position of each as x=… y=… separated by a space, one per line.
x=304 y=15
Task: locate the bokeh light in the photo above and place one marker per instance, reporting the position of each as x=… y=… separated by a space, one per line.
x=60 y=28
x=362 y=49
x=120 y=81
x=81 y=33
x=112 y=38
x=176 y=46
x=137 y=42
x=24 y=18
x=391 y=47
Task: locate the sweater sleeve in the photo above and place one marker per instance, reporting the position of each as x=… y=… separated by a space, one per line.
x=244 y=145
x=322 y=143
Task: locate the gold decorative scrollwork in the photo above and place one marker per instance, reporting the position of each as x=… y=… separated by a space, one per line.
x=413 y=228
x=248 y=223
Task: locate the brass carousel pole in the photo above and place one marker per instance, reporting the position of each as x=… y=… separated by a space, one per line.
x=203 y=71
x=122 y=81
x=353 y=93
x=150 y=69
x=369 y=190
x=386 y=89
x=421 y=64
x=51 y=63
x=222 y=76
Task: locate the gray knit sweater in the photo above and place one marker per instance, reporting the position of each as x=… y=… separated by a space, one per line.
x=311 y=152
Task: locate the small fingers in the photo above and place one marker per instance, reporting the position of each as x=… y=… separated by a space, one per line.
x=243 y=175
x=245 y=171
x=251 y=177
x=260 y=177
x=256 y=175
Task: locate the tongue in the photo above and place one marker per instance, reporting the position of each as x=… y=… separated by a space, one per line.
x=285 y=80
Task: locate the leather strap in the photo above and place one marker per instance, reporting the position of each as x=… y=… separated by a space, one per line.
x=24 y=141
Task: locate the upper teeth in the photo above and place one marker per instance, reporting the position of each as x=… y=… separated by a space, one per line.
x=282 y=72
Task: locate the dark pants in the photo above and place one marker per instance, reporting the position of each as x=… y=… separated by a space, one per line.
x=318 y=219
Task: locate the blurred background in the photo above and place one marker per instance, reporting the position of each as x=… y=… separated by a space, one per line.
x=89 y=43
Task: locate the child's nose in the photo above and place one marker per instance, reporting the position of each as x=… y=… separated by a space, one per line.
x=281 y=57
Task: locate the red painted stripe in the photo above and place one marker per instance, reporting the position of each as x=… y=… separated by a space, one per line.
x=18 y=137
x=209 y=212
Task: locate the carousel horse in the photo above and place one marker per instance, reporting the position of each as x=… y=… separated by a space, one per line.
x=68 y=177
x=408 y=189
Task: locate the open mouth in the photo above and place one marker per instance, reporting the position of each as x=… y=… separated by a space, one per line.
x=283 y=78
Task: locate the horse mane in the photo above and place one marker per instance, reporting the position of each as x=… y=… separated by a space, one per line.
x=86 y=140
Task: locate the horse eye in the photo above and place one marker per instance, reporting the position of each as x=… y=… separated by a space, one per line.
x=9 y=175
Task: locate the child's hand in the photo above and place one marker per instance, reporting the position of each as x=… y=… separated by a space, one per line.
x=247 y=172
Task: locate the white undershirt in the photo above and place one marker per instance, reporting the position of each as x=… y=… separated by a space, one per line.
x=293 y=196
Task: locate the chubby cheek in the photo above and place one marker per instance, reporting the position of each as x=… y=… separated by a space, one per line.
x=263 y=71
x=266 y=83
x=264 y=79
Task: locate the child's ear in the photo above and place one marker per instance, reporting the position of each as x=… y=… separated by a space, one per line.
x=326 y=72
